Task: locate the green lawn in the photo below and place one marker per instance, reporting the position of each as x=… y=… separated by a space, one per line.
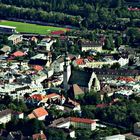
x=31 y=28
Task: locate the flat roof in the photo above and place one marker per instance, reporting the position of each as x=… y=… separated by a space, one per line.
x=10 y=27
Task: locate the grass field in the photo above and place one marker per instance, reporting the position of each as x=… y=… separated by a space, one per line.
x=31 y=28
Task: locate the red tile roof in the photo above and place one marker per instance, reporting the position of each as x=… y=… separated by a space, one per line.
x=59 y=32
x=127 y=79
x=18 y=54
x=81 y=120
x=38 y=97
x=37 y=67
x=80 y=61
x=90 y=58
x=134 y=9
x=101 y=105
x=39 y=112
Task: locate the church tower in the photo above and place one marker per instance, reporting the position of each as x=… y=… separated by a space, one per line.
x=67 y=72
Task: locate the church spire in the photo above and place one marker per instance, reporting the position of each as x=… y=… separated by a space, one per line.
x=67 y=71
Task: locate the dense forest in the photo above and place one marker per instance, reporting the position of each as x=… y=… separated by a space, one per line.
x=104 y=14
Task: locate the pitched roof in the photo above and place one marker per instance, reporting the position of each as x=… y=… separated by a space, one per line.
x=90 y=58
x=88 y=43
x=39 y=62
x=80 y=78
x=5 y=112
x=38 y=97
x=59 y=32
x=18 y=54
x=82 y=120
x=39 y=112
x=6 y=48
x=52 y=95
x=127 y=79
x=80 y=61
x=77 y=90
x=37 y=67
x=107 y=71
x=134 y=9
x=31 y=116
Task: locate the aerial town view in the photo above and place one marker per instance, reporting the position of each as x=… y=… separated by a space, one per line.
x=69 y=69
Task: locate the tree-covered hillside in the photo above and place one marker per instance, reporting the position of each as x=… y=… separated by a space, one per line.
x=82 y=13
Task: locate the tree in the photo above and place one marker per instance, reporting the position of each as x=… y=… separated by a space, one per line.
x=7 y=99
x=92 y=98
x=2 y=107
x=36 y=126
x=111 y=42
x=20 y=105
x=107 y=45
x=56 y=134
x=83 y=134
x=118 y=41
x=116 y=3
x=12 y=106
x=87 y=112
x=115 y=66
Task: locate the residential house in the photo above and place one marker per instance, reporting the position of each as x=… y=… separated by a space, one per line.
x=46 y=44
x=35 y=86
x=115 y=137
x=39 y=113
x=15 y=38
x=79 y=62
x=83 y=123
x=19 y=93
x=7 y=29
x=39 y=56
x=75 y=122
x=137 y=128
x=18 y=115
x=39 y=98
x=107 y=60
x=34 y=39
x=131 y=136
x=87 y=45
x=6 y=49
x=39 y=136
x=58 y=64
x=112 y=73
x=18 y=54
x=71 y=105
x=123 y=59
x=37 y=78
x=44 y=56
x=5 y=116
